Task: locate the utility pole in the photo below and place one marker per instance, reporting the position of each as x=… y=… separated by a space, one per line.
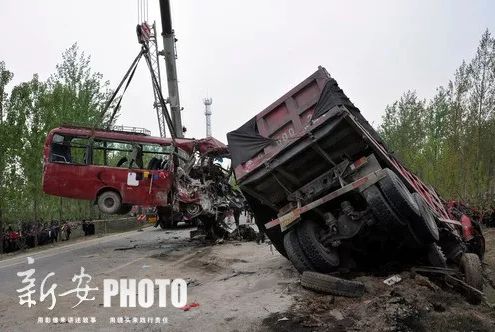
x=170 y=55
x=208 y=102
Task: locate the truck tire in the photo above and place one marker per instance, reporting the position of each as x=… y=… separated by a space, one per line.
x=398 y=196
x=323 y=259
x=435 y=256
x=470 y=266
x=331 y=285
x=424 y=227
x=380 y=208
x=295 y=253
x=109 y=202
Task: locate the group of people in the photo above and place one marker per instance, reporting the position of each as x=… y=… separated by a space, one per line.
x=30 y=234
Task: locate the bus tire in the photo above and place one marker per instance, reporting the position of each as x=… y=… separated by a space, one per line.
x=295 y=253
x=109 y=202
x=324 y=283
x=322 y=258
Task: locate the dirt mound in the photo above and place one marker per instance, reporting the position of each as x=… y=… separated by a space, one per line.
x=414 y=304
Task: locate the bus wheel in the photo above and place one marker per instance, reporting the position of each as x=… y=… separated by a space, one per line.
x=109 y=202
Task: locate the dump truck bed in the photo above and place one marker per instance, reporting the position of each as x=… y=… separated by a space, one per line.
x=290 y=117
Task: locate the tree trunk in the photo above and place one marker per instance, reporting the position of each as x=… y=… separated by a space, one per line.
x=60 y=209
x=36 y=232
x=1 y=232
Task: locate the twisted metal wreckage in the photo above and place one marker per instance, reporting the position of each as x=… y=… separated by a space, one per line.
x=183 y=178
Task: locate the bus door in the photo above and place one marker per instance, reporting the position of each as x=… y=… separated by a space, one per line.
x=148 y=180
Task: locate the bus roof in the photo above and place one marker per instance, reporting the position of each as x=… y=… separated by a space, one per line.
x=204 y=145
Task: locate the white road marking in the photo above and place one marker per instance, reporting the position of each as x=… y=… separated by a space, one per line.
x=123 y=265
x=61 y=249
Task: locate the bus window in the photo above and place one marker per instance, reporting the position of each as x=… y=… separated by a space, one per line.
x=155 y=156
x=69 y=150
x=60 y=149
x=109 y=153
x=80 y=151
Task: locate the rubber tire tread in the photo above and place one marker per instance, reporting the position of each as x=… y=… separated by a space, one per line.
x=295 y=254
x=325 y=283
x=436 y=256
x=380 y=208
x=116 y=198
x=321 y=260
x=470 y=265
x=398 y=196
x=424 y=227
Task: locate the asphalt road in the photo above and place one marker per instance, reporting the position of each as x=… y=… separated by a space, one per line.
x=227 y=281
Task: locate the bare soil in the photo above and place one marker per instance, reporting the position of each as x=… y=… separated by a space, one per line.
x=417 y=303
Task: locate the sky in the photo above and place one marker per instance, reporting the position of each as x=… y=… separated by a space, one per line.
x=246 y=54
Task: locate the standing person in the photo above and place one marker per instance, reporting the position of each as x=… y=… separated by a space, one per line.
x=237 y=215
x=67 y=230
x=85 y=227
x=54 y=232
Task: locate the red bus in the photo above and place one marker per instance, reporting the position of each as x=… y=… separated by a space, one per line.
x=116 y=168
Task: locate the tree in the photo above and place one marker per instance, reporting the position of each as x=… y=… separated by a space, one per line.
x=450 y=141
x=5 y=77
x=74 y=94
x=481 y=74
x=402 y=127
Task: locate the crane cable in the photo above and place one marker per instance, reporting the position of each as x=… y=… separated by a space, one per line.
x=142 y=14
x=142 y=11
x=127 y=77
x=156 y=86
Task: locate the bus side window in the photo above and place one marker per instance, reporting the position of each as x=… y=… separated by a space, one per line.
x=155 y=156
x=60 y=149
x=110 y=153
x=79 y=150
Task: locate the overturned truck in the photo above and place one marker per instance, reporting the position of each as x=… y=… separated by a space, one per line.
x=330 y=196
